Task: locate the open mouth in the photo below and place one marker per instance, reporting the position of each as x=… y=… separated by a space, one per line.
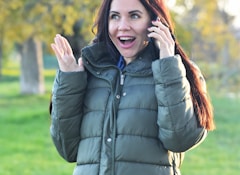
x=126 y=40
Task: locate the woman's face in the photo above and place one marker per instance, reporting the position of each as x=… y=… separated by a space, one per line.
x=128 y=23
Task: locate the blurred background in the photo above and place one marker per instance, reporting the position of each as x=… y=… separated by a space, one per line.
x=209 y=31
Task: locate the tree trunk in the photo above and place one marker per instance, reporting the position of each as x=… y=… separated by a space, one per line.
x=31 y=78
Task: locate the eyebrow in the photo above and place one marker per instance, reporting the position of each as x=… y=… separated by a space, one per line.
x=133 y=11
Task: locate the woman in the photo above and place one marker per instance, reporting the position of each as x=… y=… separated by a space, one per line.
x=134 y=103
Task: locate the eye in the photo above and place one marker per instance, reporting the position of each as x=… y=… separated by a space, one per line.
x=135 y=16
x=114 y=16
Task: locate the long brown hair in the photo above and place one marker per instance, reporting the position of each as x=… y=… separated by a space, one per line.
x=158 y=8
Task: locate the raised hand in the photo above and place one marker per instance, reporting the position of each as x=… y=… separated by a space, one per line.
x=65 y=57
x=163 y=38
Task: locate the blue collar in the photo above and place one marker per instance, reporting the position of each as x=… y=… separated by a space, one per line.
x=121 y=63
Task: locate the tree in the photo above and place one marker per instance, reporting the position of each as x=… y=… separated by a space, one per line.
x=212 y=37
x=36 y=22
x=16 y=28
x=31 y=67
x=8 y=15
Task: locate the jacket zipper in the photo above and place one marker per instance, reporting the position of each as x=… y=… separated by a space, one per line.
x=122 y=77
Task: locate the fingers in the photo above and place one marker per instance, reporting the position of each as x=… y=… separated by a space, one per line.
x=61 y=46
x=161 y=32
x=163 y=38
x=80 y=64
x=64 y=54
x=162 y=25
x=56 y=51
x=67 y=46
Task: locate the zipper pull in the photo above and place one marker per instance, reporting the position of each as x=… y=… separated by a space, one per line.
x=122 y=79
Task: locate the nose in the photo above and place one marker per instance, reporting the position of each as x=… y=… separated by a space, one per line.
x=124 y=24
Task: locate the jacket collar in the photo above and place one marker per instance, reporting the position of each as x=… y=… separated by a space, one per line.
x=98 y=55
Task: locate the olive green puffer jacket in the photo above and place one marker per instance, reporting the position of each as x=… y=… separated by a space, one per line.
x=138 y=121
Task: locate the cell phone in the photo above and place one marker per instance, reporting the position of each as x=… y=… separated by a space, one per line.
x=157 y=44
x=164 y=22
x=150 y=38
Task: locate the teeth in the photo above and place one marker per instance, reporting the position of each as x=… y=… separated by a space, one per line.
x=126 y=38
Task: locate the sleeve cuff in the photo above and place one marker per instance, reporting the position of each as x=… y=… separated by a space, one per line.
x=168 y=69
x=69 y=82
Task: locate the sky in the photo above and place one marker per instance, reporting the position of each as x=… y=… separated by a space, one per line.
x=231 y=6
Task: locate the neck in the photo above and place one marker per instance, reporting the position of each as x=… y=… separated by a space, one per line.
x=128 y=60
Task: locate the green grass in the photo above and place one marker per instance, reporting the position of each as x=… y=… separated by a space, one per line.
x=26 y=146
x=219 y=154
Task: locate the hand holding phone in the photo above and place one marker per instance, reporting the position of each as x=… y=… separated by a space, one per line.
x=163 y=38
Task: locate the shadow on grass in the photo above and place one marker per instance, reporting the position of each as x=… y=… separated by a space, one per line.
x=9 y=78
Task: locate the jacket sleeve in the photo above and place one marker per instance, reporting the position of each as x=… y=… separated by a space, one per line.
x=179 y=128
x=67 y=100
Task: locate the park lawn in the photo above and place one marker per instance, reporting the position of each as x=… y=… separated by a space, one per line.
x=219 y=154
x=25 y=142
x=27 y=148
